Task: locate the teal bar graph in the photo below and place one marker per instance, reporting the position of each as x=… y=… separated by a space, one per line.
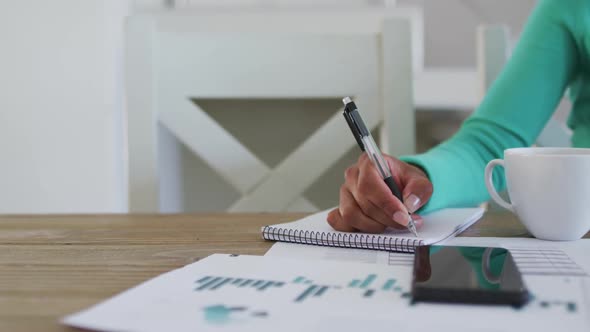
x=366 y=287
x=215 y=283
x=321 y=291
x=367 y=282
x=209 y=283
x=302 y=280
x=220 y=284
x=266 y=285
x=299 y=280
x=388 y=284
x=246 y=283
x=354 y=283
x=306 y=293
x=572 y=307
x=204 y=279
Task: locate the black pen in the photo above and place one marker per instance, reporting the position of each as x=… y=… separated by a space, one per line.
x=367 y=144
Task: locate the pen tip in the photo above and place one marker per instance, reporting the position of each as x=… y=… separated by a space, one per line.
x=346 y=100
x=412 y=227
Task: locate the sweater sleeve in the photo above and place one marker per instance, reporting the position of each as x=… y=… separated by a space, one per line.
x=512 y=114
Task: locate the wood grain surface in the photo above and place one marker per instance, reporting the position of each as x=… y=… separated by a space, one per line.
x=53 y=265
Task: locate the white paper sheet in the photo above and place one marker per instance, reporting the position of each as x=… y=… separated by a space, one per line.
x=539 y=257
x=306 y=251
x=252 y=293
x=532 y=256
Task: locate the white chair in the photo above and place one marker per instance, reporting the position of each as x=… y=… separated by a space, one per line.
x=173 y=58
x=494 y=47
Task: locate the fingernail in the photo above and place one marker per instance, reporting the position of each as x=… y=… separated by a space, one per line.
x=401 y=218
x=418 y=221
x=412 y=203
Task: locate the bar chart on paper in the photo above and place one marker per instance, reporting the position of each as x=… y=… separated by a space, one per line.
x=373 y=287
x=221 y=314
x=366 y=286
x=213 y=283
x=249 y=293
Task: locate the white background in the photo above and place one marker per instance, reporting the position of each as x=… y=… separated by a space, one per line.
x=62 y=138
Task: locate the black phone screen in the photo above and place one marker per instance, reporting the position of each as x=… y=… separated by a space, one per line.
x=467 y=275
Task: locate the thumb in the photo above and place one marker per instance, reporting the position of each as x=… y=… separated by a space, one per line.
x=417 y=191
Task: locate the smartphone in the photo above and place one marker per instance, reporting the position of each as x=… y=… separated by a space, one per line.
x=477 y=275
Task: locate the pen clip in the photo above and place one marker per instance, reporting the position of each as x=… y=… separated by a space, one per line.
x=355 y=122
x=355 y=132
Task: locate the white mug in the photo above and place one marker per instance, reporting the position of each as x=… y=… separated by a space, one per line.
x=549 y=189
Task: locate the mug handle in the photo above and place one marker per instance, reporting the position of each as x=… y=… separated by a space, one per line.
x=490 y=184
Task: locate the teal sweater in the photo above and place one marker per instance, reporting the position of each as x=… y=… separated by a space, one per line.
x=553 y=54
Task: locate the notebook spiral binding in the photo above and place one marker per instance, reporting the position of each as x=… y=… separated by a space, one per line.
x=347 y=240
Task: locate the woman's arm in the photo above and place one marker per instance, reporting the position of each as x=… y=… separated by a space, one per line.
x=514 y=111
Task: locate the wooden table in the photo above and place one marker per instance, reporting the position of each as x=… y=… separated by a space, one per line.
x=51 y=266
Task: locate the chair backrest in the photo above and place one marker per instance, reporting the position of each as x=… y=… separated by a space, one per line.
x=176 y=57
x=494 y=48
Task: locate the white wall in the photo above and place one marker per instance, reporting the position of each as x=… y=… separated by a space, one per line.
x=450 y=25
x=61 y=129
x=62 y=138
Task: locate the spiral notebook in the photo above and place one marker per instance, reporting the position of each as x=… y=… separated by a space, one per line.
x=314 y=229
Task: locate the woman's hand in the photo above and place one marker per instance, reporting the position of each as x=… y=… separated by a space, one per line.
x=366 y=203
